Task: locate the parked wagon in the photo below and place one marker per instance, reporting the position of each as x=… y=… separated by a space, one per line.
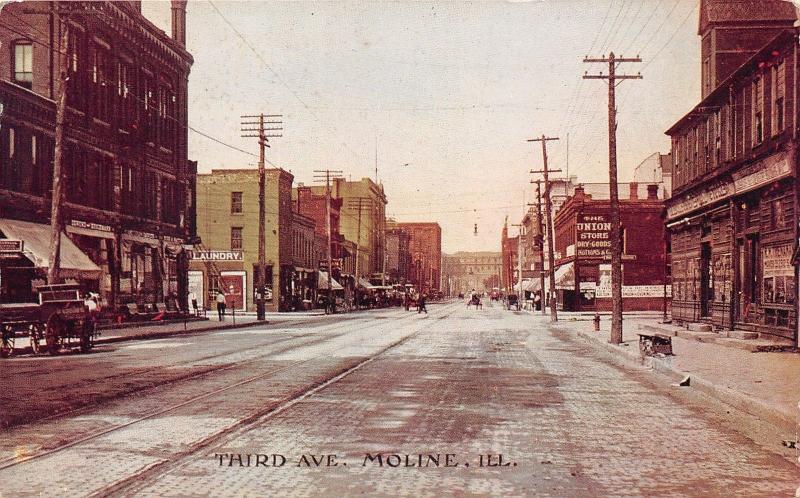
x=60 y=319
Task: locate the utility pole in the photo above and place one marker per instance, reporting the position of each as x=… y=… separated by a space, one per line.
x=549 y=217
x=357 y=203
x=54 y=268
x=520 y=256
x=616 y=243
x=248 y=130
x=540 y=238
x=328 y=175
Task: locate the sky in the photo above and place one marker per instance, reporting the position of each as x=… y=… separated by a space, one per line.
x=446 y=93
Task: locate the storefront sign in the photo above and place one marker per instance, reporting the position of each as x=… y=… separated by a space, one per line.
x=635 y=291
x=700 y=199
x=762 y=173
x=11 y=245
x=757 y=175
x=777 y=261
x=172 y=240
x=91 y=226
x=218 y=256
x=594 y=237
x=143 y=235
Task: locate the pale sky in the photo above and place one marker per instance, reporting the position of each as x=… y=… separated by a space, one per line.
x=452 y=89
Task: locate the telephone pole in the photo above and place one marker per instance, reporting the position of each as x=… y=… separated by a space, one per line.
x=616 y=243
x=54 y=268
x=256 y=129
x=357 y=203
x=552 y=300
x=328 y=175
x=520 y=255
x=540 y=238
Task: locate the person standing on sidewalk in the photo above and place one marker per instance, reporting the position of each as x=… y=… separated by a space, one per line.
x=421 y=304
x=221 y=305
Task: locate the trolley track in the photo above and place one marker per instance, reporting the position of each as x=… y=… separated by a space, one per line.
x=182 y=378
x=292 y=397
x=129 y=485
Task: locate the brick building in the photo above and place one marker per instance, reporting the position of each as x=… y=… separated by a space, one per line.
x=128 y=183
x=425 y=248
x=733 y=215
x=368 y=233
x=509 y=252
x=582 y=240
x=398 y=257
x=227 y=222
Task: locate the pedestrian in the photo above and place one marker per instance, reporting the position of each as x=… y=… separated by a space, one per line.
x=221 y=305
x=537 y=301
x=421 y=304
x=193 y=300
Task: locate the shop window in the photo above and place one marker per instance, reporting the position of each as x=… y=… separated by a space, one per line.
x=236 y=238
x=23 y=64
x=778 y=96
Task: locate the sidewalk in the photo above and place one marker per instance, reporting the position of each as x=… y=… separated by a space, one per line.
x=764 y=384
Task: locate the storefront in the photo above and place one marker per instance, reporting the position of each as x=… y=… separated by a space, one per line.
x=18 y=277
x=732 y=250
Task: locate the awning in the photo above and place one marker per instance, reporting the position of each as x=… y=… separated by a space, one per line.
x=565 y=276
x=364 y=284
x=322 y=282
x=531 y=285
x=74 y=262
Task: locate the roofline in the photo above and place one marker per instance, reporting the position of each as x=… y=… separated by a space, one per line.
x=738 y=73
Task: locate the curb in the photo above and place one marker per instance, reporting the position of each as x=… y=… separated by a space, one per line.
x=621 y=355
x=26 y=350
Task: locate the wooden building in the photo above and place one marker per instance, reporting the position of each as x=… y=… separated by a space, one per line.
x=733 y=214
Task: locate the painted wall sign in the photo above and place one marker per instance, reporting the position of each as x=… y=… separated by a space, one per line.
x=593 y=234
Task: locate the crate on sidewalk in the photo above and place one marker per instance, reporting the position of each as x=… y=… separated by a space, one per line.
x=653 y=343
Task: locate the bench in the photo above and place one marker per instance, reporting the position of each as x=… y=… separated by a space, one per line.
x=653 y=343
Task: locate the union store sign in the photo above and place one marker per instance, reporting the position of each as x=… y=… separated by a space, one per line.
x=750 y=178
x=593 y=233
x=218 y=256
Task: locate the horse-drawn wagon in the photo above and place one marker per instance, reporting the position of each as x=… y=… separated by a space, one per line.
x=60 y=319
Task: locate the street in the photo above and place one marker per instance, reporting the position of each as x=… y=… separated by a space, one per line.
x=459 y=401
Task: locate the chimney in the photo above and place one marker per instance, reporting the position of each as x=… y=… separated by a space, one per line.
x=179 y=21
x=137 y=5
x=579 y=193
x=652 y=191
x=634 y=191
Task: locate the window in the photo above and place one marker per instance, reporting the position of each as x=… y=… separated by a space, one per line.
x=778 y=97
x=23 y=64
x=758 y=111
x=236 y=203
x=236 y=238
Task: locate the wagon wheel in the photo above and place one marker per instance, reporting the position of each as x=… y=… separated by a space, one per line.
x=53 y=334
x=7 y=345
x=87 y=336
x=35 y=337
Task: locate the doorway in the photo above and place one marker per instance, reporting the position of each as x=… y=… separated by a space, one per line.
x=706 y=280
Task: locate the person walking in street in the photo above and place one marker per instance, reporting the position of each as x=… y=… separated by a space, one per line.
x=221 y=305
x=421 y=304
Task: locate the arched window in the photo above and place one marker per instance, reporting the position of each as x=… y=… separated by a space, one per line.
x=23 y=63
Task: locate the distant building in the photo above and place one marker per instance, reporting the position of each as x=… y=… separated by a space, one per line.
x=398 y=257
x=365 y=225
x=656 y=169
x=465 y=271
x=228 y=225
x=733 y=212
x=426 y=254
x=583 y=243
x=509 y=247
